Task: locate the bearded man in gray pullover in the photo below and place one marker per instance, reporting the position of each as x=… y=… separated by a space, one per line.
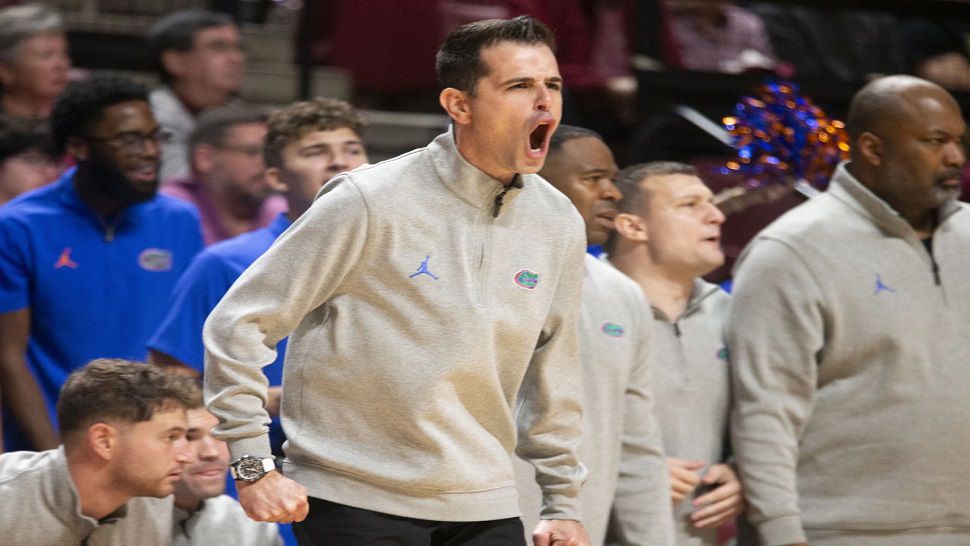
x=849 y=341
x=433 y=302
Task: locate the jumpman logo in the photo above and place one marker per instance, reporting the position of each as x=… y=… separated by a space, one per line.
x=881 y=286
x=423 y=270
x=65 y=260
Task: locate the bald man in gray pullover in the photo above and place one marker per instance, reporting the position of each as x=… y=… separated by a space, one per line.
x=849 y=340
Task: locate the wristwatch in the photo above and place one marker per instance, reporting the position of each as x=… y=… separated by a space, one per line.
x=249 y=468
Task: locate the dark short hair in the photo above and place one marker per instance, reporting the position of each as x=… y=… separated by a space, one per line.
x=112 y=389
x=176 y=31
x=288 y=124
x=636 y=198
x=18 y=23
x=18 y=135
x=82 y=105
x=213 y=125
x=459 y=61
x=565 y=133
x=628 y=181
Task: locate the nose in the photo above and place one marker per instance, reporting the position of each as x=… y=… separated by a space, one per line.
x=208 y=449
x=183 y=451
x=544 y=99
x=955 y=154
x=714 y=214
x=609 y=191
x=339 y=162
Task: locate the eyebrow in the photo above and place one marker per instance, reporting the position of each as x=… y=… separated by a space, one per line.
x=525 y=79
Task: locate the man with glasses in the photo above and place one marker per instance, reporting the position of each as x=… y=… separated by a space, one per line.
x=88 y=263
x=227 y=183
x=200 y=60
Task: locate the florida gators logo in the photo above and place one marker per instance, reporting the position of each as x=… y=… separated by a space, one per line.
x=723 y=354
x=526 y=279
x=155 y=259
x=612 y=330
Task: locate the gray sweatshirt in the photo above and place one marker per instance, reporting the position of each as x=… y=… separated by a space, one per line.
x=850 y=345
x=39 y=505
x=693 y=386
x=221 y=520
x=621 y=444
x=418 y=308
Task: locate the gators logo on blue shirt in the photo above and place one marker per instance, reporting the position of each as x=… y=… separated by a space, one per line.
x=155 y=259
x=526 y=279
x=612 y=330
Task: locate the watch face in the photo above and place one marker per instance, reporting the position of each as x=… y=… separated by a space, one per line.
x=249 y=468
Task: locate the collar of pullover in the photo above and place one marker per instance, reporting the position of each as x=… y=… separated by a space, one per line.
x=848 y=189
x=464 y=179
x=700 y=292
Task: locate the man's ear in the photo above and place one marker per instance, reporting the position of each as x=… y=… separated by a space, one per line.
x=630 y=226
x=273 y=179
x=870 y=148
x=456 y=104
x=102 y=439
x=173 y=62
x=77 y=147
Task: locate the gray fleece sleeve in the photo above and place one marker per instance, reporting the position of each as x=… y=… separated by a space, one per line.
x=297 y=274
x=642 y=512
x=774 y=332
x=549 y=403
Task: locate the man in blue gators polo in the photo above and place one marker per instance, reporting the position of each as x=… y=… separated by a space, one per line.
x=307 y=144
x=88 y=263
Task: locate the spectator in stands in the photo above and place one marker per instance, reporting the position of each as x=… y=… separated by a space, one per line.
x=123 y=425
x=34 y=63
x=87 y=264
x=200 y=60
x=307 y=144
x=227 y=183
x=939 y=50
x=668 y=236
x=619 y=427
x=27 y=157
x=203 y=515
x=828 y=43
x=714 y=36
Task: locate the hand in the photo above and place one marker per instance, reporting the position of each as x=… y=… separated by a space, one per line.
x=723 y=503
x=560 y=532
x=273 y=498
x=274 y=396
x=683 y=477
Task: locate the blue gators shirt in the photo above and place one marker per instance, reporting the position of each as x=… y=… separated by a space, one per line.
x=203 y=284
x=94 y=288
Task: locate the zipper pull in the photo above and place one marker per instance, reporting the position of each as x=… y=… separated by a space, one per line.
x=498 y=201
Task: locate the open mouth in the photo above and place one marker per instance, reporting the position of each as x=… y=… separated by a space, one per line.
x=537 y=138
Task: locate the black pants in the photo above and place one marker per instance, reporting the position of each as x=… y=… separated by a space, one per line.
x=332 y=524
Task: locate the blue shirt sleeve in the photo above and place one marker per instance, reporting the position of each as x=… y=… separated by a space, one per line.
x=199 y=289
x=15 y=268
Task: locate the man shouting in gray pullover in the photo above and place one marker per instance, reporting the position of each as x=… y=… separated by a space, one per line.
x=849 y=339
x=433 y=302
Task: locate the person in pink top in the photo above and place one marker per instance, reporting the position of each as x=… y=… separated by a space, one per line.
x=227 y=184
